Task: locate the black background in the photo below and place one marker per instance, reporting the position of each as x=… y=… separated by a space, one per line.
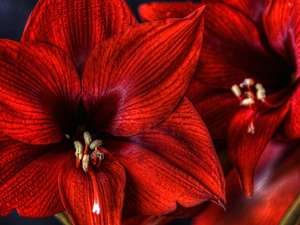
x=13 y=16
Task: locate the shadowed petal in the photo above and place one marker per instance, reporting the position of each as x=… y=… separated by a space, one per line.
x=77 y=26
x=277 y=182
x=281 y=23
x=290 y=129
x=78 y=194
x=134 y=80
x=29 y=178
x=163 y=10
x=171 y=163
x=251 y=8
x=233 y=50
x=216 y=107
x=245 y=149
x=37 y=108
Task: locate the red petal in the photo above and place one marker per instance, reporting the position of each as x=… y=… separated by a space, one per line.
x=148 y=220
x=232 y=50
x=171 y=163
x=29 y=178
x=281 y=23
x=291 y=124
x=251 y=8
x=244 y=149
x=277 y=183
x=77 y=27
x=216 y=107
x=134 y=80
x=77 y=192
x=163 y=10
x=39 y=92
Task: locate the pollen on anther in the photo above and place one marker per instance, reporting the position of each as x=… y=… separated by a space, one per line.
x=236 y=90
x=87 y=138
x=78 y=149
x=85 y=162
x=95 y=144
x=247 y=83
x=247 y=101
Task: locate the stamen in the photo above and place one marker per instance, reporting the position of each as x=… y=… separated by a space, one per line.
x=78 y=149
x=247 y=101
x=261 y=92
x=67 y=136
x=95 y=144
x=236 y=90
x=87 y=138
x=85 y=162
x=247 y=83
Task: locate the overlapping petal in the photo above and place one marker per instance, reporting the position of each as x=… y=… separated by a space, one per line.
x=251 y=8
x=245 y=149
x=77 y=26
x=77 y=191
x=281 y=23
x=171 y=163
x=134 y=80
x=37 y=108
x=29 y=178
x=277 y=182
x=233 y=50
x=162 y=10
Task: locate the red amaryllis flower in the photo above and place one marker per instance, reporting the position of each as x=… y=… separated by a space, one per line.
x=76 y=128
x=253 y=48
x=277 y=185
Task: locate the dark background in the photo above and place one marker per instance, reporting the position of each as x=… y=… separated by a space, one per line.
x=13 y=16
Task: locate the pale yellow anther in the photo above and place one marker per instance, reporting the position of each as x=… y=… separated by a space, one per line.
x=247 y=83
x=85 y=162
x=236 y=90
x=87 y=138
x=261 y=92
x=247 y=101
x=78 y=149
x=95 y=144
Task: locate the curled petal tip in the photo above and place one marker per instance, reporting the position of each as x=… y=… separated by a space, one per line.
x=222 y=204
x=247 y=189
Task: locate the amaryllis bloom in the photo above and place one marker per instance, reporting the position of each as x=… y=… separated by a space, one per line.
x=247 y=78
x=276 y=195
x=88 y=122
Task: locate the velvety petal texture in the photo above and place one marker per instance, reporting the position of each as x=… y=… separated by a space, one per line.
x=277 y=182
x=251 y=8
x=77 y=26
x=36 y=108
x=172 y=163
x=162 y=10
x=244 y=149
x=143 y=74
x=78 y=191
x=28 y=178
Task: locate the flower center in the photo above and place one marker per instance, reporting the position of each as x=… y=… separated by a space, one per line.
x=250 y=99
x=88 y=156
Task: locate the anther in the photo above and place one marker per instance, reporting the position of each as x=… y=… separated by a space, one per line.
x=247 y=83
x=85 y=162
x=95 y=144
x=78 y=149
x=261 y=92
x=236 y=90
x=247 y=101
x=87 y=138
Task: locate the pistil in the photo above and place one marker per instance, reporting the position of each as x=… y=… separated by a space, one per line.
x=87 y=156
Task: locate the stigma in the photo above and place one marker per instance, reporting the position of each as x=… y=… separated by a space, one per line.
x=253 y=94
x=89 y=156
